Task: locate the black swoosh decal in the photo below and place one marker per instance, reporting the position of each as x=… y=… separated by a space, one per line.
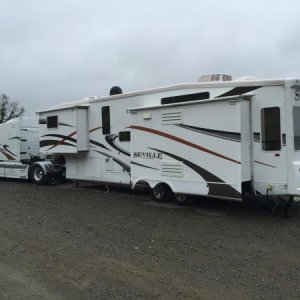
x=15 y=138
x=64 y=124
x=8 y=156
x=68 y=138
x=240 y=90
x=232 y=136
x=45 y=143
x=217 y=187
x=183 y=141
x=5 y=147
x=110 y=139
x=64 y=137
x=99 y=144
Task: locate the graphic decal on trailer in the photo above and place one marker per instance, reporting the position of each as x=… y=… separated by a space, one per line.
x=217 y=187
x=54 y=143
x=110 y=139
x=239 y=90
x=182 y=141
x=227 y=135
x=185 y=142
x=64 y=138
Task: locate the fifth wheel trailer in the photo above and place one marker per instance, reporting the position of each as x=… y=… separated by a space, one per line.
x=19 y=151
x=248 y=143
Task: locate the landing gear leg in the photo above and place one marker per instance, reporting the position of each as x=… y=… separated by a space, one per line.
x=288 y=206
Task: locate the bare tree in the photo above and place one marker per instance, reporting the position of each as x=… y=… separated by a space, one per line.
x=9 y=109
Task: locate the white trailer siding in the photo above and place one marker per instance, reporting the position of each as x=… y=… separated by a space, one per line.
x=190 y=148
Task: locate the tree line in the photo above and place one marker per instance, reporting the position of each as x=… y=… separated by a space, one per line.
x=9 y=109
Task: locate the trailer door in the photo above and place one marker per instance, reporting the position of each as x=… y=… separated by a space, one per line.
x=269 y=148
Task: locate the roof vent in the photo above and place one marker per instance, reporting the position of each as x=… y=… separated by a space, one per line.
x=115 y=90
x=215 y=77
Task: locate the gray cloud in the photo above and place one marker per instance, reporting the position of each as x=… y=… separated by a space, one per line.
x=55 y=51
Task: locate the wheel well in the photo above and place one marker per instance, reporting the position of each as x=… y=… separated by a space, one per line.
x=163 y=184
x=141 y=184
x=29 y=170
x=151 y=183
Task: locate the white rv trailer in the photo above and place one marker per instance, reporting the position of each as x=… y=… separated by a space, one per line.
x=19 y=151
x=219 y=138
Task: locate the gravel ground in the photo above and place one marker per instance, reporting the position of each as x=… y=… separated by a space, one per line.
x=63 y=242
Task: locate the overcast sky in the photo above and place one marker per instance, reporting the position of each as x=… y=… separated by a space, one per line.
x=54 y=51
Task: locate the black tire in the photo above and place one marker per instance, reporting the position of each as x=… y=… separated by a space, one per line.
x=37 y=175
x=182 y=199
x=161 y=193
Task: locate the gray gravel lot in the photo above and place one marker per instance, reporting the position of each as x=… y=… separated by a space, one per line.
x=63 y=242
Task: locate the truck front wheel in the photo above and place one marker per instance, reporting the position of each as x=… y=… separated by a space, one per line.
x=37 y=175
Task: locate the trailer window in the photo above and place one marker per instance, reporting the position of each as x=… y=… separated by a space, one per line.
x=271 y=135
x=124 y=136
x=105 y=120
x=52 y=122
x=296 y=118
x=185 y=98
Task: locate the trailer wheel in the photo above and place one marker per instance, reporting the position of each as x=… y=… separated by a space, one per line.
x=182 y=199
x=161 y=193
x=37 y=175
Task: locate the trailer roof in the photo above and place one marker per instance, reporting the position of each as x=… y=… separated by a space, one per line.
x=211 y=100
x=88 y=100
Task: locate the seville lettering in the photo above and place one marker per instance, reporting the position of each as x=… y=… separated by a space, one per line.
x=148 y=155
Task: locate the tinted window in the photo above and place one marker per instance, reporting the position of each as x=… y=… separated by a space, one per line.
x=105 y=120
x=296 y=117
x=270 y=120
x=185 y=98
x=52 y=122
x=124 y=136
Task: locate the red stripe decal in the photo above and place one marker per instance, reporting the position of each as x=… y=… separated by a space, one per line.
x=61 y=141
x=261 y=163
x=9 y=157
x=94 y=129
x=182 y=141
